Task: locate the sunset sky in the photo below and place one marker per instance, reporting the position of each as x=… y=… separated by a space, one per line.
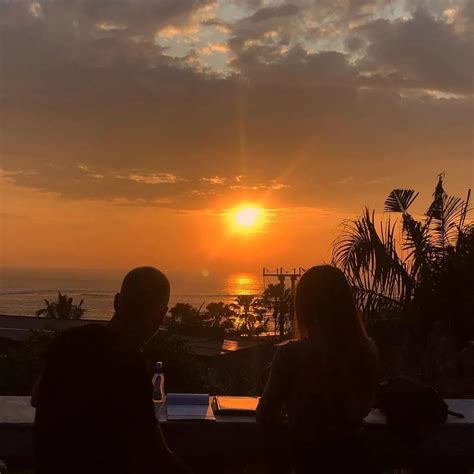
x=130 y=130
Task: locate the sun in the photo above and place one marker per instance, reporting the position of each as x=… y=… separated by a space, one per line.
x=247 y=218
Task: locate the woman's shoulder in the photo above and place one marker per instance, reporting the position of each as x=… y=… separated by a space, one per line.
x=291 y=346
x=291 y=351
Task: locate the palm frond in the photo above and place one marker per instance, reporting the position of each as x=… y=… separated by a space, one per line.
x=418 y=243
x=435 y=210
x=399 y=200
x=370 y=260
x=62 y=308
x=385 y=281
x=466 y=210
x=445 y=226
x=375 y=302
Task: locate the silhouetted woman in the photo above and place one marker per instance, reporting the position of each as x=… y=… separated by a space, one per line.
x=324 y=381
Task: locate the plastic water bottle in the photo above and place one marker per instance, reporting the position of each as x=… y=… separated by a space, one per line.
x=158 y=382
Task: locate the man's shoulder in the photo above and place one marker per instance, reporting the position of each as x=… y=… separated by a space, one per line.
x=89 y=331
x=92 y=348
x=71 y=337
x=95 y=340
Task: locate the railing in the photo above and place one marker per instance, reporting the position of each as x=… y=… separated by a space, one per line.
x=232 y=444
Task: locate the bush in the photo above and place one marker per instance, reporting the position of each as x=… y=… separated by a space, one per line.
x=183 y=373
x=22 y=364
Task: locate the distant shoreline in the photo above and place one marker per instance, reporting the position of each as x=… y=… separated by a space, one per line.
x=31 y=316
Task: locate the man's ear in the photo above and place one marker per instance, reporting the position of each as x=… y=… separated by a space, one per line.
x=117 y=302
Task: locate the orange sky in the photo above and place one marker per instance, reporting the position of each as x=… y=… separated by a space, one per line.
x=130 y=128
x=43 y=230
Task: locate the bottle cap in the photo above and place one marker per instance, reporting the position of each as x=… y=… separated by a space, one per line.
x=159 y=367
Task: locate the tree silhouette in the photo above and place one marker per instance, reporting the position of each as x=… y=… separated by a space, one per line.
x=220 y=314
x=251 y=315
x=62 y=308
x=401 y=275
x=184 y=313
x=276 y=299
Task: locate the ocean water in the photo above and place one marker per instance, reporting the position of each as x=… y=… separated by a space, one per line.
x=22 y=292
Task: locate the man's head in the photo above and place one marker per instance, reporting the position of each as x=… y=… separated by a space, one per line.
x=142 y=302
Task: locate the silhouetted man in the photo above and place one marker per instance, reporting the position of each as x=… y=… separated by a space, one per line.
x=95 y=412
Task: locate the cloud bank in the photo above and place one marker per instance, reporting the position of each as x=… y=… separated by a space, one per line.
x=173 y=103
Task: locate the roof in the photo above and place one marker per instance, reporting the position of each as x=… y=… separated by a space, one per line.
x=212 y=347
x=18 y=328
x=202 y=341
x=210 y=341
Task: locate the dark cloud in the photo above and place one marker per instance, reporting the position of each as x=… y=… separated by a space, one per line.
x=428 y=53
x=141 y=16
x=94 y=108
x=266 y=27
x=268 y=13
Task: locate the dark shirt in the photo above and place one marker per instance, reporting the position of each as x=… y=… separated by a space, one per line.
x=321 y=402
x=94 y=405
x=325 y=406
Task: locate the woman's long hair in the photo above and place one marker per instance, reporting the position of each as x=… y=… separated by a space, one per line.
x=326 y=314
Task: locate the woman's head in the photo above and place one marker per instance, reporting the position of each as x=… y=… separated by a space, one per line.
x=325 y=306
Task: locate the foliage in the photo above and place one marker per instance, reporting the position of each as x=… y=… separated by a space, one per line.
x=183 y=372
x=21 y=364
x=62 y=308
x=277 y=300
x=244 y=317
x=219 y=315
x=250 y=315
x=184 y=313
x=424 y=272
x=449 y=294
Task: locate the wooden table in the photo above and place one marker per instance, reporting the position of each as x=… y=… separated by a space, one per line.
x=231 y=440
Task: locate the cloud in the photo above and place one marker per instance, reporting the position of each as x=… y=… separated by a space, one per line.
x=268 y=13
x=215 y=48
x=425 y=52
x=95 y=107
x=214 y=180
x=160 y=178
x=90 y=172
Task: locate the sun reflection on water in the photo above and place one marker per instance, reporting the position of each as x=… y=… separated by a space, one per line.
x=243 y=284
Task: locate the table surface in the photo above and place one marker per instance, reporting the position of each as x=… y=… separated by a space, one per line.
x=198 y=442
x=18 y=410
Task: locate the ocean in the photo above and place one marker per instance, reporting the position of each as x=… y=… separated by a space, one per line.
x=22 y=292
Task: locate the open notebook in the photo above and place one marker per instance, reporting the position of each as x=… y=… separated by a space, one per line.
x=235 y=406
x=188 y=406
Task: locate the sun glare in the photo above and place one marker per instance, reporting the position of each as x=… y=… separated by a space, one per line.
x=247 y=218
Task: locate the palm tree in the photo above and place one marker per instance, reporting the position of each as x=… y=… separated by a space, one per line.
x=277 y=300
x=246 y=308
x=217 y=312
x=184 y=313
x=390 y=274
x=62 y=308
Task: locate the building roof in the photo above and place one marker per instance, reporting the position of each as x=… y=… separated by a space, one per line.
x=18 y=328
x=202 y=341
